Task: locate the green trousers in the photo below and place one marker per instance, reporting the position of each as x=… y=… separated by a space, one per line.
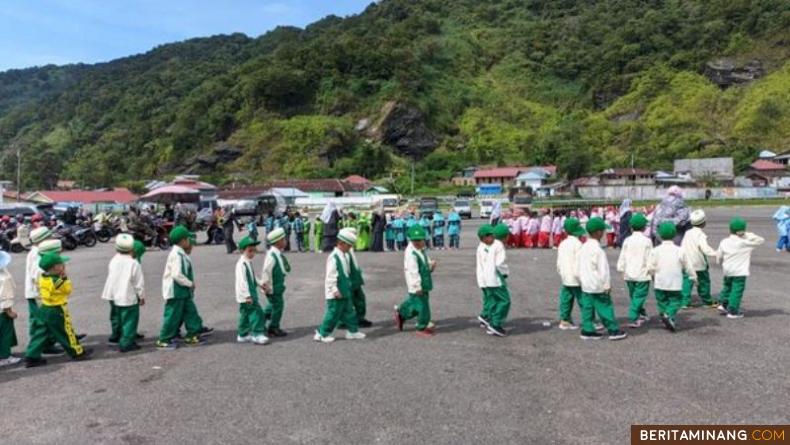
x=498 y=304
x=251 y=320
x=417 y=306
x=485 y=312
x=668 y=302
x=32 y=310
x=123 y=322
x=567 y=296
x=339 y=310
x=703 y=288
x=360 y=305
x=732 y=293
x=54 y=322
x=600 y=304
x=180 y=311
x=638 y=292
x=274 y=310
x=7 y=335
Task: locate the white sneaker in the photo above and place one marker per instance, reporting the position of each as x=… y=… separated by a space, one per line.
x=355 y=336
x=722 y=309
x=322 y=339
x=431 y=325
x=10 y=361
x=260 y=340
x=600 y=327
x=245 y=339
x=567 y=326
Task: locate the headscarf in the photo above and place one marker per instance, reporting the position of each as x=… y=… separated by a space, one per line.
x=782 y=214
x=329 y=209
x=676 y=191
x=625 y=207
x=496 y=212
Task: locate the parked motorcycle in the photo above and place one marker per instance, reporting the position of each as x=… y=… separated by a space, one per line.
x=106 y=228
x=159 y=236
x=85 y=235
x=66 y=236
x=20 y=241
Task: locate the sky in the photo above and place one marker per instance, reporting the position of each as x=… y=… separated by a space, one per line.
x=40 y=32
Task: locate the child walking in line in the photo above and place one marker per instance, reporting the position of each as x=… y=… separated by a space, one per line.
x=124 y=290
x=7 y=314
x=668 y=265
x=338 y=291
x=492 y=272
x=633 y=263
x=735 y=253
x=696 y=249
x=275 y=269
x=419 y=283
x=567 y=264
x=251 y=324
x=593 y=269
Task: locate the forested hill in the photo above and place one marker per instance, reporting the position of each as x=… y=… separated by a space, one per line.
x=585 y=85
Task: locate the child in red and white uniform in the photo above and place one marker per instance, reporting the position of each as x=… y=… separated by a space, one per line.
x=556 y=228
x=514 y=231
x=526 y=240
x=612 y=223
x=534 y=229
x=544 y=235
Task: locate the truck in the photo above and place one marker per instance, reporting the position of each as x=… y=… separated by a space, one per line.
x=521 y=197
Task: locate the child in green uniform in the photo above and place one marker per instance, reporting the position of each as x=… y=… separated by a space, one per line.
x=358 y=298
x=275 y=269
x=338 y=291
x=7 y=314
x=418 y=269
x=251 y=320
x=53 y=315
x=668 y=264
x=124 y=290
x=178 y=290
x=735 y=253
x=491 y=275
x=633 y=264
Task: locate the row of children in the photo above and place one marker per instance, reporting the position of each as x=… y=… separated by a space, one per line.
x=673 y=271
x=435 y=226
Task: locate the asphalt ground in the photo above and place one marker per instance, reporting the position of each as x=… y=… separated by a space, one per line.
x=539 y=385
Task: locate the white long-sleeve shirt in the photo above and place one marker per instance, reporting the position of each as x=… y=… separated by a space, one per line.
x=736 y=253
x=330 y=282
x=32 y=272
x=125 y=283
x=545 y=224
x=695 y=247
x=268 y=265
x=667 y=263
x=523 y=223
x=173 y=274
x=634 y=258
x=567 y=261
x=490 y=264
x=412 y=269
x=243 y=266
x=7 y=289
x=593 y=267
x=556 y=225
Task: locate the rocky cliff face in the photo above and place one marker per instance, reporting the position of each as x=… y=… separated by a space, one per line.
x=403 y=128
x=726 y=72
x=221 y=154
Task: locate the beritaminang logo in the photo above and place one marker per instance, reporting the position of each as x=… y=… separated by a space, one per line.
x=710 y=434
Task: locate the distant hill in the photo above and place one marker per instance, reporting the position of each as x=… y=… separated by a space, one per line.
x=447 y=83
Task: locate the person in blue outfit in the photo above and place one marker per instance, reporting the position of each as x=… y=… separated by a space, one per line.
x=389 y=234
x=438 y=230
x=454 y=229
x=399 y=225
x=782 y=219
x=425 y=223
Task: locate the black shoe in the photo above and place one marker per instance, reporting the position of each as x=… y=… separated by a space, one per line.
x=53 y=350
x=365 y=323
x=81 y=336
x=496 y=331
x=34 y=362
x=113 y=340
x=86 y=355
x=139 y=336
x=205 y=331
x=668 y=323
x=276 y=333
x=617 y=335
x=591 y=335
x=130 y=348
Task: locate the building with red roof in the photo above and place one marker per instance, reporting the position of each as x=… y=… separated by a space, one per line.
x=114 y=196
x=506 y=176
x=356 y=179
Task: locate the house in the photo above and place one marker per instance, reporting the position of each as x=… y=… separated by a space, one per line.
x=289 y=194
x=768 y=169
x=782 y=158
x=626 y=176
x=323 y=188
x=374 y=190
x=117 y=196
x=720 y=169
x=666 y=178
x=506 y=176
x=356 y=179
x=465 y=178
x=532 y=179
x=208 y=192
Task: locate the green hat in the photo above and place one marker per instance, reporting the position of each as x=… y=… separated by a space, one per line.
x=667 y=231
x=501 y=231
x=50 y=260
x=573 y=227
x=485 y=230
x=416 y=233
x=595 y=224
x=638 y=221
x=139 y=250
x=178 y=234
x=247 y=242
x=737 y=225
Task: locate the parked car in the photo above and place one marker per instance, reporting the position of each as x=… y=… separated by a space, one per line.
x=428 y=206
x=463 y=207
x=487 y=206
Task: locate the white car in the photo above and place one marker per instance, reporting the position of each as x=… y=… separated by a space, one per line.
x=486 y=207
x=463 y=207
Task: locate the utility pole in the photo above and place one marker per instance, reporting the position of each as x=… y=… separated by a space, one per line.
x=18 y=170
x=412 y=176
